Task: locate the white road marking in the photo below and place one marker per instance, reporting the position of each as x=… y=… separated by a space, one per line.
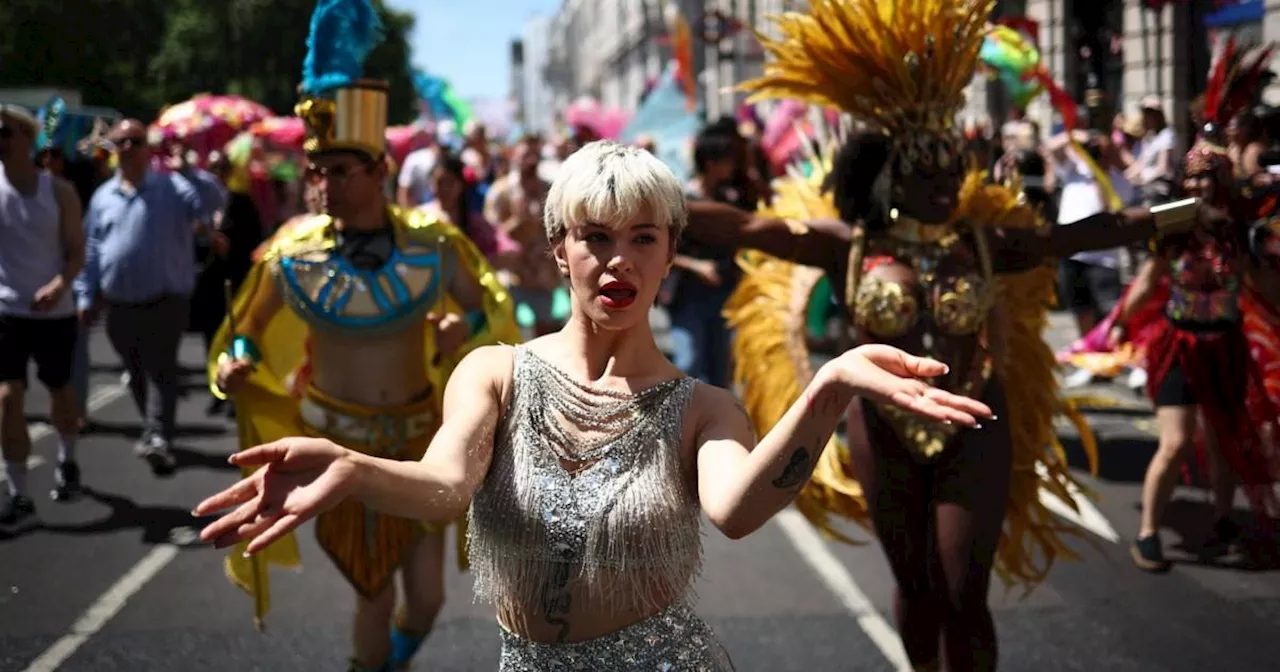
x=829 y=569
x=1088 y=516
x=99 y=398
x=104 y=609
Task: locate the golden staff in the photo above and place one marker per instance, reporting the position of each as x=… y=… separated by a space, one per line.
x=257 y=562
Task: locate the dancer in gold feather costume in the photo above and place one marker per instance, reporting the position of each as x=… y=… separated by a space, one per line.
x=926 y=256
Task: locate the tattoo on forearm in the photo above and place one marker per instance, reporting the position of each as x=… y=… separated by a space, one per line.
x=796 y=471
x=557 y=599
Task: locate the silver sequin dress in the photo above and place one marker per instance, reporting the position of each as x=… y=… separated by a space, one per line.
x=622 y=531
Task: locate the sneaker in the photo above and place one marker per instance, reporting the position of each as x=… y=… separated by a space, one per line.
x=1137 y=380
x=158 y=455
x=66 y=480
x=1078 y=378
x=15 y=509
x=1148 y=554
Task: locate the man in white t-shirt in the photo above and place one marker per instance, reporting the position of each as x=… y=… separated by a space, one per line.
x=414 y=183
x=41 y=254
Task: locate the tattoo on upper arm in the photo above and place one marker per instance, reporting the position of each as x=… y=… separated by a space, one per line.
x=796 y=471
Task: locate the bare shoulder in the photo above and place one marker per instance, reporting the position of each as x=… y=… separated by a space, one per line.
x=64 y=191
x=716 y=413
x=490 y=364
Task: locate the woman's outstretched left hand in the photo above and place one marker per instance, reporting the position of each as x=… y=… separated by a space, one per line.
x=885 y=374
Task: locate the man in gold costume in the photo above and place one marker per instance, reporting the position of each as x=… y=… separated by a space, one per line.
x=926 y=255
x=347 y=328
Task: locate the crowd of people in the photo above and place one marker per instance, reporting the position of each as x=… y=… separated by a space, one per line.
x=366 y=345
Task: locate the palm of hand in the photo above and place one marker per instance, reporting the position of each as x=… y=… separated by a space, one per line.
x=299 y=479
x=888 y=375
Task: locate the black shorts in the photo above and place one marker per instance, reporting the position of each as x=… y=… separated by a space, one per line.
x=1175 y=389
x=50 y=342
x=1089 y=286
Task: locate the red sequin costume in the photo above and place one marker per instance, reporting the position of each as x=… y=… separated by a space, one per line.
x=1200 y=353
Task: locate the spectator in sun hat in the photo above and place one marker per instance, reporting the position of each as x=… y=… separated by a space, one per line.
x=1153 y=170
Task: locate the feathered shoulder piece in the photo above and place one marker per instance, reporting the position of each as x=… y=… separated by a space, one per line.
x=343 y=32
x=900 y=66
x=1234 y=78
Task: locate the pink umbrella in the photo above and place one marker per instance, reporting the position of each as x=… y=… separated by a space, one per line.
x=401 y=140
x=207 y=121
x=589 y=113
x=281 y=131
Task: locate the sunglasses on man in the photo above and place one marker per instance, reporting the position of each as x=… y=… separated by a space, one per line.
x=129 y=143
x=339 y=173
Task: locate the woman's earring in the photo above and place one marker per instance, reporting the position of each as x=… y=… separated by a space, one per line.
x=893 y=215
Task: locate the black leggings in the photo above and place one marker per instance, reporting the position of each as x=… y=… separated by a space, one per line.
x=939 y=525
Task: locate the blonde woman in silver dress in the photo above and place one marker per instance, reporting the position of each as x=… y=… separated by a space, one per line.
x=585 y=456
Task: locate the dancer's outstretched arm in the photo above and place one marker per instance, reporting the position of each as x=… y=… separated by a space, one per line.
x=300 y=478
x=741 y=485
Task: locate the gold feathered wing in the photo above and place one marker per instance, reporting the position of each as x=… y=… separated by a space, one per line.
x=772 y=366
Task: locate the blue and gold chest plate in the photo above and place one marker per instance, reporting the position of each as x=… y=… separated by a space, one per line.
x=330 y=294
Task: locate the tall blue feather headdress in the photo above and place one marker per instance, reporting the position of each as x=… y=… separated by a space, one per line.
x=343 y=32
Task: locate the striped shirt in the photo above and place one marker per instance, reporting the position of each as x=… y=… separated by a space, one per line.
x=139 y=245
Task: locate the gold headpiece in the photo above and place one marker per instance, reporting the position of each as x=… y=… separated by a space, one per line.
x=354 y=119
x=900 y=66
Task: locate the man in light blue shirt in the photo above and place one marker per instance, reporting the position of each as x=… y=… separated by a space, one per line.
x=140 y=231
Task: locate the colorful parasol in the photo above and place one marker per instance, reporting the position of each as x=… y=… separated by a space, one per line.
x=280 y=131
x=587 y=112
x=207 y=122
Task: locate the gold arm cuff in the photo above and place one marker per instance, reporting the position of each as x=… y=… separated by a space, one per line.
x=1176 y=216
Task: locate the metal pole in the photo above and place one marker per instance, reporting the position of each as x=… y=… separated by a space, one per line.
x=1145 y=23
x=1160 y=52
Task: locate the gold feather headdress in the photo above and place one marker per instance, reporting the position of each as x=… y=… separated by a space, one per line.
x=899 y=66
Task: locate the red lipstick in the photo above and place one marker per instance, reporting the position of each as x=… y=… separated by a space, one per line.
x=617 y=295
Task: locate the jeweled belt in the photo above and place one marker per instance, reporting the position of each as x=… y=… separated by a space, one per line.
x=380 y=430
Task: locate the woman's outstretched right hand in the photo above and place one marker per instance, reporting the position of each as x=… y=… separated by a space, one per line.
x=299 y=479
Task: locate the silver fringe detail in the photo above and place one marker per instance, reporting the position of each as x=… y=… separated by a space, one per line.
x=674 y=639
x=585 y=490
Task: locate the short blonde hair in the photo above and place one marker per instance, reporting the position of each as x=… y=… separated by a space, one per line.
x=606 y=183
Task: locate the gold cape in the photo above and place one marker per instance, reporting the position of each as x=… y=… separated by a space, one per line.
x=265 y=409
x=772 y=365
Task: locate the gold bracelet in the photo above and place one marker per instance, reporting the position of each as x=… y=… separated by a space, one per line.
x=1174 y=217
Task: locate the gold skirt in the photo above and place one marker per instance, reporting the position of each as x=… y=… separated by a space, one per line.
x=368 y=547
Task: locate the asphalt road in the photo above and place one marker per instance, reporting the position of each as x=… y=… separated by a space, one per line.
x=113 y=581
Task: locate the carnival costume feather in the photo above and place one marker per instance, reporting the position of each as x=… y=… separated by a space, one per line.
x=901 y=67
x=1012 y=58
x=343 y=32
x=50 y=117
